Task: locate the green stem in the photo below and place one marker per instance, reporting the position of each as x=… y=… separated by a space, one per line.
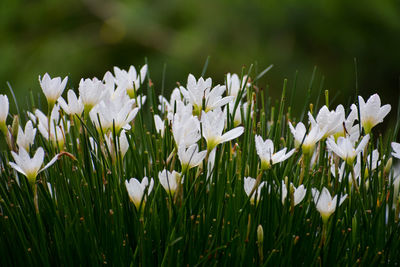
x=35 y=198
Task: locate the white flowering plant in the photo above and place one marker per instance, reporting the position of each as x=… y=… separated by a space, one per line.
x=211 y=174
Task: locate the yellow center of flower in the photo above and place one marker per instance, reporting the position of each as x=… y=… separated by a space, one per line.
x=265 y=165
x=131 y=92
x=212 y=143
x=31 y=176
x=367 y=124
x=308 y=149
x=196 y=110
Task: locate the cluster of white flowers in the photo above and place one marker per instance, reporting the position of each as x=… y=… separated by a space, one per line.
x=195 y=112
x=111 y=104
x=199 y=116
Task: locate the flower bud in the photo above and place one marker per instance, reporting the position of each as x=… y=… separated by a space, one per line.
x=3 y=113
x=15 y=126
x=327 y=98
x=260 y=234
x=292 y=204
x=387 y=168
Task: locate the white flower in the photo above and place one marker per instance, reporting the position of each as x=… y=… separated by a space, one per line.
x=249 y=184
x=196 y=91
x=372 y=160
x=371 y=112
x=57 y=131
x=213 y=124
x=122 y=145
x=237 y=119
x=371 y=164
x=234 y=85
x=309 y=140
x=74 y=106
x=181 y=111
x=185 y=129
x=345 y=149
x=299 y=193
x=341 y=171
x=4 y=106
x=118 y=95
x=137 y=190
x=190 y=157
x=115 y=109
x=265 y=150
x=52 y=88
x=25 y=139
x=324 y=202
x=328 y=121
x=30 y=167
x=159 y=123
x=169 y=181
x=169 y=107
x=129 y=80
x=347 y=123
x=353 y=134
x=109 y=113
x=32 y=117
x=396 y=150
x=91 y=92
x=109 y=82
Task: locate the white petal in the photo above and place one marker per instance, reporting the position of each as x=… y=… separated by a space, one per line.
x=143 y=72
x=52 y=161
x=150 y=187
x=17 y=168
x=249 y=183
x=299 y=194
x=362 y=144
x=343 y=198
x=383 y=112
x=289 y=154
x=232 y=134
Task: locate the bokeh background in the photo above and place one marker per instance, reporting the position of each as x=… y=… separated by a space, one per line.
x=85 y=38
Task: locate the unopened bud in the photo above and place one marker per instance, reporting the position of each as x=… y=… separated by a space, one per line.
x=15 y=126
x=354 y=224
x=387 y=168
x=283 y=141
x=327 y=98
x=291 y=198
x=272 y=115
x=260 y=234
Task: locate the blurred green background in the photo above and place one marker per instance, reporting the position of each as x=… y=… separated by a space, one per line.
x=86 y=38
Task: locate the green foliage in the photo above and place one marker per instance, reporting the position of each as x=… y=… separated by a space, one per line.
x=86 y=218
